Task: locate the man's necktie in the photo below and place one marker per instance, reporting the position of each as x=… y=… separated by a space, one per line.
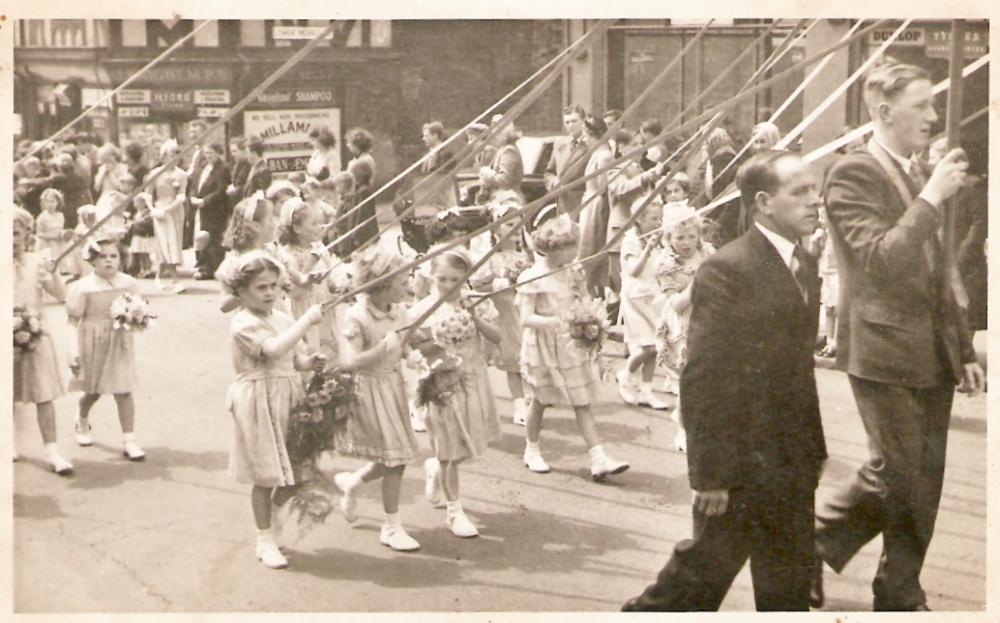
x=801 y=272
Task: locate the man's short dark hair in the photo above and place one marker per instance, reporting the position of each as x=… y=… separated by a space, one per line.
x=759 y=174
x=575 y=108
x=255 y=145
x=217 y=148
x=239 y=141
x=651 y=126
x=614 y=113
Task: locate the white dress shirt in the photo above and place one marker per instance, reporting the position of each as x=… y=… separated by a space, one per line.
x=784 y=246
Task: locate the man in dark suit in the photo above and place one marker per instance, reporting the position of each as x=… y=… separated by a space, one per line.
x=751 y=411
x=213 y=209
x=259 y=176
x=567 y=162
x=195 y=165
x=902 y=337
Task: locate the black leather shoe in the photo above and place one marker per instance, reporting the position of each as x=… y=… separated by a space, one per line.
x=816 y=596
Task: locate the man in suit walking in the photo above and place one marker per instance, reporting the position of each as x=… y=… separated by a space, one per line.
x=751 y=411
x=259 y=176
x=903 y=339
x=210 y=201
x=567 y=162
x=195 y=130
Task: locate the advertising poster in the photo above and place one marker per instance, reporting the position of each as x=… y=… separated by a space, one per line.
x=286 y=134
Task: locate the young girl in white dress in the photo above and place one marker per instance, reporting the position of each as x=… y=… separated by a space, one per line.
x=102 y=356
x=381 y=431
x=309 y=264
x=641 y=252
x=268 y=353
x=556 y=372
x=38 y=378
x=251 y=228
x=466 y=423
x=685 y=252
x=50 y=224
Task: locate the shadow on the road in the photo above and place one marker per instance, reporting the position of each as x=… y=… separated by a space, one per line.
x=968 y=424
x=105 y=466
x=36 y=507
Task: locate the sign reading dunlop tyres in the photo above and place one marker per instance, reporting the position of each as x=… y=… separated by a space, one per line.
x=286 y=134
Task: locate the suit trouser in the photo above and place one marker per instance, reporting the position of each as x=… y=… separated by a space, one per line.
x=895 y=493
x=213 y=221
x=772 y=528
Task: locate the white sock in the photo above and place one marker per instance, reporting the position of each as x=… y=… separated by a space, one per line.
x=454 y=507
x=353 y=480
x=597 y=453
x=531 y=447
x=129 y=437
x=392 y=520
x=647 y=386
x=265 y=535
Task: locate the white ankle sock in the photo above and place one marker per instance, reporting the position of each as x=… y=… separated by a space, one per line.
x=265 y=535
x=454 y=507
x=392 y=520
x=50 y=449
x=129 y=437
x=597 y=453
x=531 y=447
x=647 y=386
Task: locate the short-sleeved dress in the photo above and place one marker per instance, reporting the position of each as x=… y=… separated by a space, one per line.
x=506 y=355
x=640 y=306
x=321 y=337
x=260 y=400
x=232 y=260
x=675 y=274
x=380 y=430
x=48 y=233
x=467 y=423
x=37 y=375
x=557 y=372
x=107 y=355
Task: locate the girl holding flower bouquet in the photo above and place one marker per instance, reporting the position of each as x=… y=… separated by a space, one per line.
x=37 y=376
x=268 y=352
x=101 y=354
x=381 y=431
x=641 y=252
x=556 y=370
x=502 y=271
x=463 y=420
x=309 y=266
x=685 y=253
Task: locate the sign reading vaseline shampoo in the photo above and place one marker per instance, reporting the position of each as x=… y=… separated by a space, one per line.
x=286 y=134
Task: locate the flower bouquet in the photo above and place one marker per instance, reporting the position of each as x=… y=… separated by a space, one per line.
x=451 y=326
x=440 y=376
x=311 y=505
x=328 y=403
x=585 y=323
x=508 y=265
x=27 y=329
x=131 y=312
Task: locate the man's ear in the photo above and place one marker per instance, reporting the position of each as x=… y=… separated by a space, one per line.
x=762 y=201
x=884 y=111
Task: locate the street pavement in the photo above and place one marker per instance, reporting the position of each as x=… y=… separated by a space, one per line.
x=175 y=533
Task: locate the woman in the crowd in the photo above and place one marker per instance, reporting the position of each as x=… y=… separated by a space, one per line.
x=362 y=169
x=594 y=210
x=325 y=159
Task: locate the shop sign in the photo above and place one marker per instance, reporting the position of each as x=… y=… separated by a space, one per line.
x=212 y=112
x=172 y=100
x=304 y=97
x=911 y=37
x=300 y=32
x=286 y=134
x=133 y=96
x=90 y=97
x=172 y=75
x=133 y=111
x=212 y=97
x=975 y=44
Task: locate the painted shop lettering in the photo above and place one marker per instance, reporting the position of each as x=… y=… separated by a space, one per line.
x=285 y=128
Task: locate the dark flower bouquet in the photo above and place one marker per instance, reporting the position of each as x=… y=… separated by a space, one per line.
x=585 y=323
x=439 y=377
x=329 y=401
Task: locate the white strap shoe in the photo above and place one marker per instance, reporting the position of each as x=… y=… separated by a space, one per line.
x=681 y=441
x=269 y=554
x=81 y=430
x=397 y=538
x=627 y=387
x=648 y=398
x=344 y=482
x=58 y=464
x=536 y=463
x=460 y=525
x=133 y=452
x=605 y=466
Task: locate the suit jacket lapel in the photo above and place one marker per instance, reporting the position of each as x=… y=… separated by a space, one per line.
x=778 y=273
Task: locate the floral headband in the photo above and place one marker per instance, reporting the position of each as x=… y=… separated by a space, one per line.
x=92 y=248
